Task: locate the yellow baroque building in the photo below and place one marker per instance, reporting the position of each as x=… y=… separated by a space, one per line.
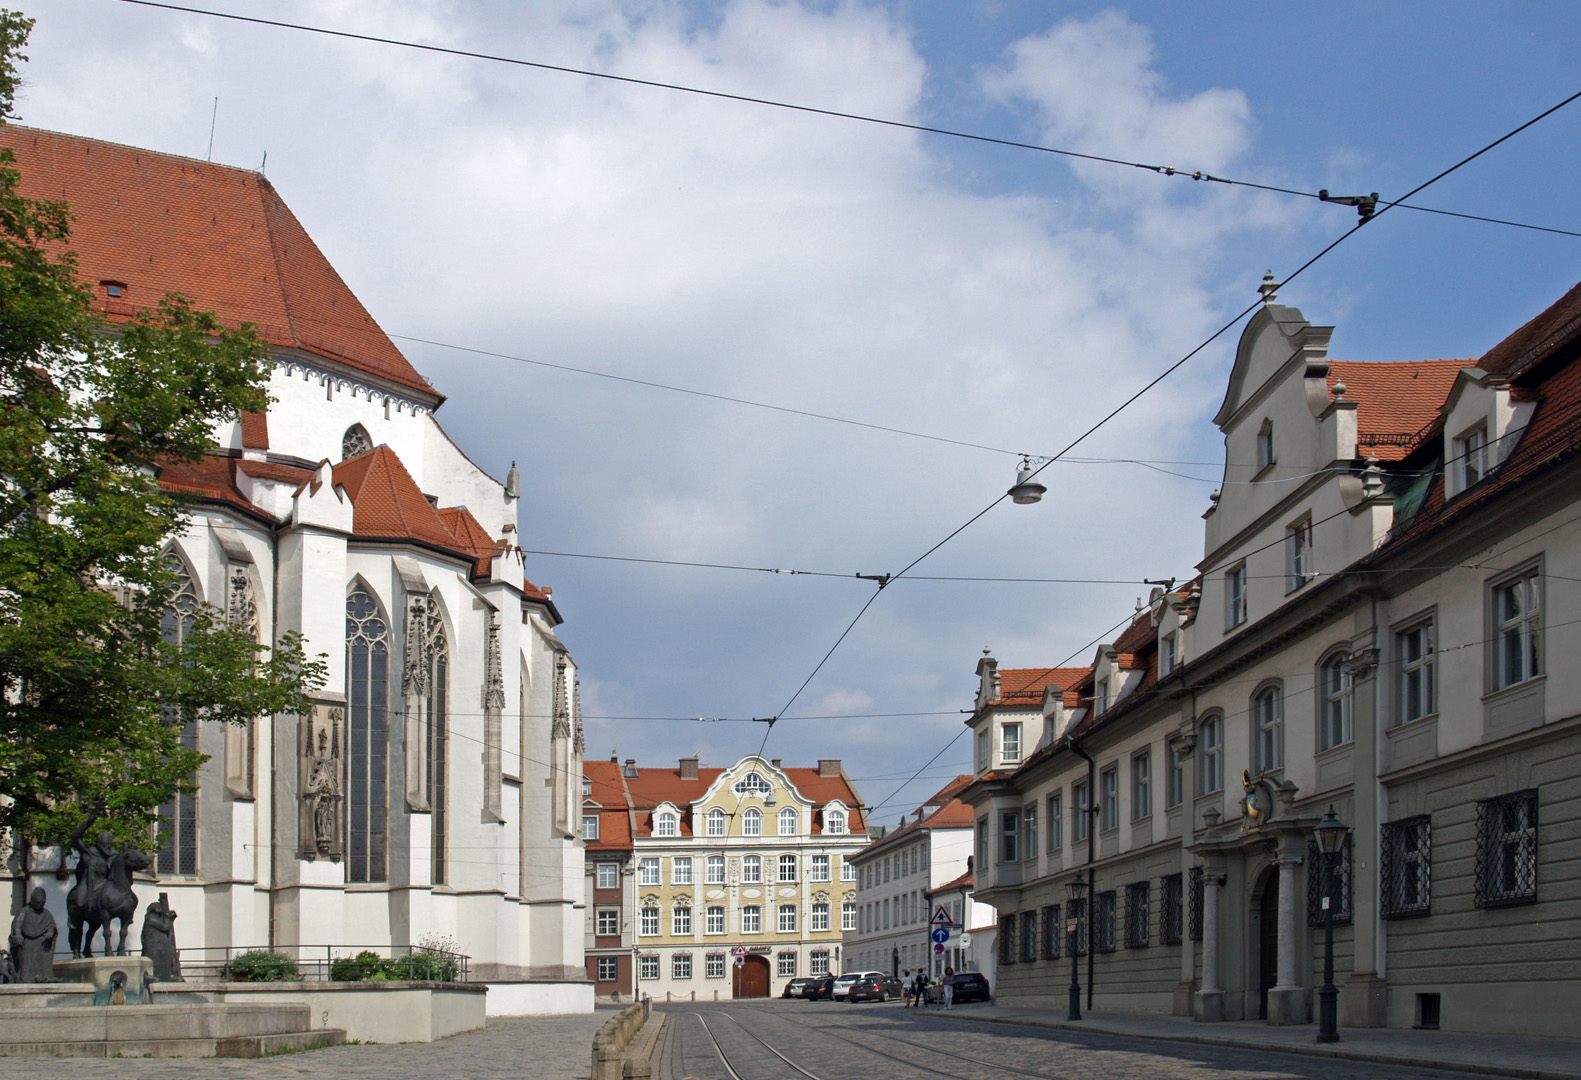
x=739 y=878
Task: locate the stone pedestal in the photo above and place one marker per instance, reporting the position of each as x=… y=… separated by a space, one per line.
x=1210 y=1007
x=97 y=971
x=1362 y=998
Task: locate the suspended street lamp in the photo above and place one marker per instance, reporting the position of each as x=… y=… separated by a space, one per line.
x=1027 y=489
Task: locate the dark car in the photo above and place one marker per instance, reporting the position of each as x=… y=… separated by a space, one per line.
x=881 y=988
x=795 y=986
x=819 y=989
x=971 y=986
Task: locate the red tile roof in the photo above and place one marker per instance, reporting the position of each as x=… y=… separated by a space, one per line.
x=268 y=470
x=1024 y=686
x=1538 y=339
x=964 y=881
x=387 y=503
x=652 y=787
x=1396 y=400
x=614 y=819
x=209 y=477
x=220 y=236
x=255 y=431
x=470 y=535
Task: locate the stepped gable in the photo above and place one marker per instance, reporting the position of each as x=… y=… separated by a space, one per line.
x=387 y=503
x=1398 y=400
x=154 y=224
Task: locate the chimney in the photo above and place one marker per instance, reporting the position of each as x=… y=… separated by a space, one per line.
x=631 y=768
x=688 y=768
x=774 y=762
x=828 y=766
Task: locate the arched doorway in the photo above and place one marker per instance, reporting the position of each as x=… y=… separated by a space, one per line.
x=1267 y=936
x=751 y=978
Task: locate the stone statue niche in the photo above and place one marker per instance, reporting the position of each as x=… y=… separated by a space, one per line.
x=322 y=827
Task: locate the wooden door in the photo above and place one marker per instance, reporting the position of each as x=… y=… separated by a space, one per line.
x=752 y=978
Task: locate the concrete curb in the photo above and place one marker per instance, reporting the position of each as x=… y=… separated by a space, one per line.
x=1340 y=1052
x=638 y=1060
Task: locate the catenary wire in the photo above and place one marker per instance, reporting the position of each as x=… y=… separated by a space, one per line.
x=468 y=54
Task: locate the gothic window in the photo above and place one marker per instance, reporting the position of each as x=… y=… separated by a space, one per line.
x=368 y=708
x=178 y=818
x=355 y=441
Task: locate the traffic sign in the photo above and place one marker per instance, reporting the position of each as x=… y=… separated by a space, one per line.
x=941 y=934
x=937 y=947
x=942 y=917
x=740 y=961
x=739 y=950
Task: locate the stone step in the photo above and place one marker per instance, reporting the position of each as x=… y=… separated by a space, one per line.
x=241 y=1046
x=157 y=1023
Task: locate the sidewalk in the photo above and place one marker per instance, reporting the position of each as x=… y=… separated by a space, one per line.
x=1504 y=1055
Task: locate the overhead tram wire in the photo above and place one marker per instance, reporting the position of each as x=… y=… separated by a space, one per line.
x=837 y=114
x=885 y=579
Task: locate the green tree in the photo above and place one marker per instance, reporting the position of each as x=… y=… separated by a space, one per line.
x=92 y=694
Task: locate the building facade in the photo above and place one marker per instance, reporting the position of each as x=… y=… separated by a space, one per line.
x=750 y=863
x=1377 y=627
x=431 y=794
x=610 y=934
x=895 y=874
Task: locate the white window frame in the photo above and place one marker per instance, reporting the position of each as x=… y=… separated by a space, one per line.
x=714 y=965
x=819 y=918
x=1109 y=798
x=1335 y=725
x=667 y=824
x=608 y=875
x=681 y=920
x=714 y=919
x=1210 y=751
x=714 y=870
x=1265 y=445
x=648 y=967
x=787 y=918
x=608 y=968
x=606 y=922
x=789 y=870
x=1471 y=456
x=1010 y=836
x=1268 y=728
x=1010 y=742
x=1515 y=649
x=1141 y=785
x=1175 y=781
x=648 y=871
x=1416 y=653
x=589 y=826
x=1298 y=554
x=681 y=870
x=848 y=915
x=834 y=822
x=751 y=919
x=1235 y=596
x=1056 y=820
x=752 y=869
x=1029 y=830
x=785 y=965
x=1169 y=653
x=681 y=965
x=648 y=922
x=715 y=822
x=752 y=822
x=819 y=870
x=791 y=815
x=1080 y=812
x=847 y=871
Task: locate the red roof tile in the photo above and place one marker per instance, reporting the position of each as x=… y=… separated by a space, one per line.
x=255 y=431
x=387 y=503
x=965 y=880
x=1396 y=400
x=268 y=470
x=1024 y=686
x=652 y=787
x=220 y=236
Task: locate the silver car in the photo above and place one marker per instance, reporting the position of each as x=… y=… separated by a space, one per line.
x=842 y=985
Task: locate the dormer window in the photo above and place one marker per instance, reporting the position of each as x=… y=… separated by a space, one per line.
x=1471 y=456
x=115 y=290
x=1265 y=445
x=666 y=825
x=1010 y=740
x=1169 y=653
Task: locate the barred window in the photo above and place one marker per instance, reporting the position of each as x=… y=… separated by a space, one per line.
x=1171 y=908
x=648 y=967
x=1029 y=936
x=1507 y=850
x=1406 y=868
x=1195 y=898
x=714 y=965
x=1103 y=922
x=1051 y=932
x=787 y=964
x=818 y=962
x=681 y=965
x=1007 y=938
x=608 y=968
x=1138 y=914
x=1076 y=926
x=1343 y=887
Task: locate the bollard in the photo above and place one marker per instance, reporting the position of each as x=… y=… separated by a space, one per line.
x=666 y=995
x=638 y=1070
x=694 y=995
x=716 y=995
x=606 y=1060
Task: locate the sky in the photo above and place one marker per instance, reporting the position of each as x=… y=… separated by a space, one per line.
x=997 y=300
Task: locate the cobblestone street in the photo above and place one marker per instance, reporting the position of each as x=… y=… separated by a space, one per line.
x=551 y=1047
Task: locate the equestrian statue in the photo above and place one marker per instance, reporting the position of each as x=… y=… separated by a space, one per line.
x=103 y=891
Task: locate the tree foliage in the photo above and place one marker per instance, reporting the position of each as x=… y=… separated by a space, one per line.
x=92 y=694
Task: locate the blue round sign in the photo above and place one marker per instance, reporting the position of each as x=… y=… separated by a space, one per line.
x=941 y=934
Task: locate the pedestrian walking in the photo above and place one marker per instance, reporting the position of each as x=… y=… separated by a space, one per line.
x=920 y=987
x=949 y=987
x=905 y=987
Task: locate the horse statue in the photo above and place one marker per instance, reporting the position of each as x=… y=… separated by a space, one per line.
x=113 y=901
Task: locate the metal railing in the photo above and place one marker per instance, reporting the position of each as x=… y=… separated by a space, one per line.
x=324 y=963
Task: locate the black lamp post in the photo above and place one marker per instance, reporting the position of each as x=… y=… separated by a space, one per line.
x=1077 y=887
x=1330 y=834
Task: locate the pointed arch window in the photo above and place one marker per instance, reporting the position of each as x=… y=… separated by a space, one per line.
x=368 y=731
x=355 y=441
x=177 y=830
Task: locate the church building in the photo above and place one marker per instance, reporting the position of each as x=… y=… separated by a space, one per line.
x=432 y=792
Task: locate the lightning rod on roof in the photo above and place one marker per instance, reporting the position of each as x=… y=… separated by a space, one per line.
x=213 y=116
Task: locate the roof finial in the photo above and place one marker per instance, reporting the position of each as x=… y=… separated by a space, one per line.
x=513 y=483
x=1269 y=288
x=1339 y=389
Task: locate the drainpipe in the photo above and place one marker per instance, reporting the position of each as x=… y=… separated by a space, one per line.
x=1092 y=852
x=274 y=746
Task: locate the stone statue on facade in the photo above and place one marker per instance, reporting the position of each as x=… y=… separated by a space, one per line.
x=33 y=934
x=159 y=940
x=323 y=788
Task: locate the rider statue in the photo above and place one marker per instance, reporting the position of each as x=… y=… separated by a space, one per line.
x=103 y=890
x=93 y=866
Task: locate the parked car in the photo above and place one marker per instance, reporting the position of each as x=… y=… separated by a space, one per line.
x=819 y=988
x=971 y=986
x=842 y=983
x=794 y=987
x=875 y=988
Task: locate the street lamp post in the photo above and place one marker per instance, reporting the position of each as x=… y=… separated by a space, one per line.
x=1077 y=887
x=1330 y=834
